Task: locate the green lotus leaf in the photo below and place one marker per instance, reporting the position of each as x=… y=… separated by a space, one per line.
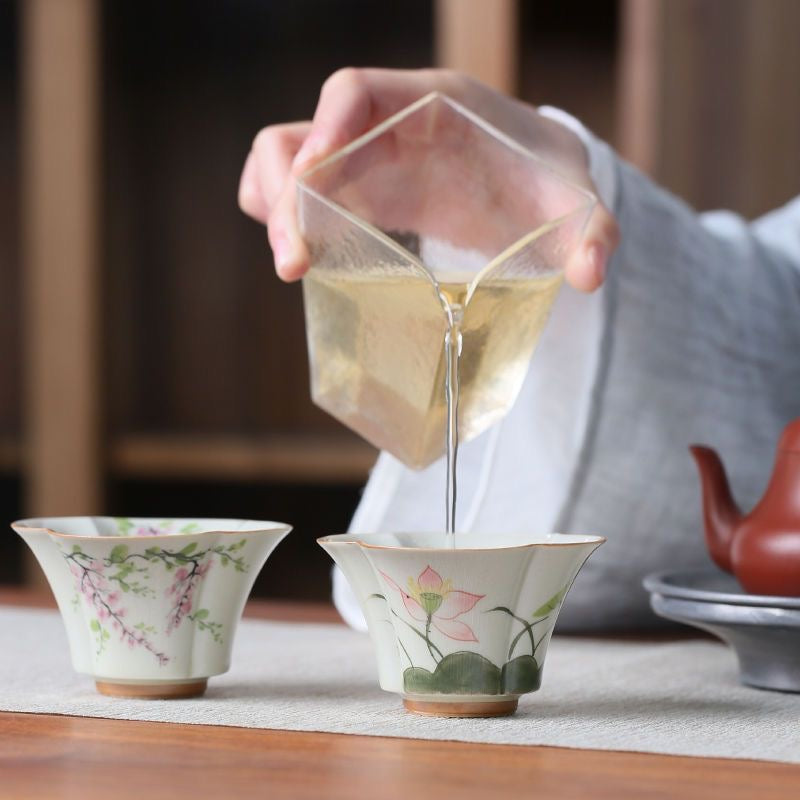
x=521 y=675
x=466 y=673
x=417 y=679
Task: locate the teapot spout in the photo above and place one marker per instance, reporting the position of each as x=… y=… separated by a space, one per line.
x=721 y=515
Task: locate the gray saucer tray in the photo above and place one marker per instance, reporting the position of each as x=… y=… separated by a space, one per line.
x=763 y=630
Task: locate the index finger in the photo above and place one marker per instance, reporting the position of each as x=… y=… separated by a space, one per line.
x=354 y=100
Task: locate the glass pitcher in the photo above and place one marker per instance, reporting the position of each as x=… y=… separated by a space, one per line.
x=431 y=220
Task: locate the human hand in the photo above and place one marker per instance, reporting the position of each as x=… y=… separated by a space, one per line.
x=354 y=100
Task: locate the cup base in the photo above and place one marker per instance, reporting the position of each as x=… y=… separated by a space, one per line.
x=153 y=691
x=477 y=708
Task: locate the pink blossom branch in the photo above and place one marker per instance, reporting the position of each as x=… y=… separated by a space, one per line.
x=101 y=600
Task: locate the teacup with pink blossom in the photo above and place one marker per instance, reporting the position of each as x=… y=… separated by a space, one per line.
x=460 y=630
x=150 y=605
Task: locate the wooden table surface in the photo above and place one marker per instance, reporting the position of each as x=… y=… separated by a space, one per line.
x=48 y=756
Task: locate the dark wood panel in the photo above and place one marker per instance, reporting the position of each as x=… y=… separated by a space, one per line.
x=10 y=455
x=568 y=59
x=11 y=545
x=10 y=378
x=299 y=458
x=202 y=336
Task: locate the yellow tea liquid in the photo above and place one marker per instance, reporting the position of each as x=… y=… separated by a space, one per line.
x=380 y=367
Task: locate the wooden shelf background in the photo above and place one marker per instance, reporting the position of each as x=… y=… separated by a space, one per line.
x=10 y=455
x=282 y=458
x=143 y=333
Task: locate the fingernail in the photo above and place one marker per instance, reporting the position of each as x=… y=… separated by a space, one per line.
x=597 y=261
x=312 y=147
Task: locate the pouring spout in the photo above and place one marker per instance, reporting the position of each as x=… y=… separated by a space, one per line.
x=721 y=515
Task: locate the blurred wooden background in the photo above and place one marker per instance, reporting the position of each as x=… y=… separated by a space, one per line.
x=150 y=361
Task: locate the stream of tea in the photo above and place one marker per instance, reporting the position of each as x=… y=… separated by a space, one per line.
x=453 y=342
x=521 y=306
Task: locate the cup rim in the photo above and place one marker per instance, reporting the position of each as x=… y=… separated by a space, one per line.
x=341 y=538
x=40 y=524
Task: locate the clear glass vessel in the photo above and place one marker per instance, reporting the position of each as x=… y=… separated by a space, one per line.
x=434 y=221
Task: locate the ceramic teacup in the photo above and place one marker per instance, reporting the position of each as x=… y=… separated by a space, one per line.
x=150 y=605
x=462 y=631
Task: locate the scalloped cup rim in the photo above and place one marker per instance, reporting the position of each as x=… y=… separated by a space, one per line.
x=43 y=524
x=525 y=541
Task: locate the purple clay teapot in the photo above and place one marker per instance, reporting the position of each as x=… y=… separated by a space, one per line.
x=762 y=549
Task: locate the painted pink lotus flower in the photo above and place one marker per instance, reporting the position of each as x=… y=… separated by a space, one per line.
x=431 y=599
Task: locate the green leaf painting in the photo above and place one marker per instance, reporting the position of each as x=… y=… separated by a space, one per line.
x=471 y=673
x=191 y=527
x=118 y=554
x=520 y=675
x=552 y=604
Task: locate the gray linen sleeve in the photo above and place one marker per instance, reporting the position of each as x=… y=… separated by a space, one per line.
x=701 y=343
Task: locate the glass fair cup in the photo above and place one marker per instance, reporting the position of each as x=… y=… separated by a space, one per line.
x=432 y=222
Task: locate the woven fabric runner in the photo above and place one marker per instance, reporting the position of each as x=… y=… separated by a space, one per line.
x=680 y=698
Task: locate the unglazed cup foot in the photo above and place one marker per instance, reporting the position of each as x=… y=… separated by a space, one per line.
x=153 y=691
x=478 y=708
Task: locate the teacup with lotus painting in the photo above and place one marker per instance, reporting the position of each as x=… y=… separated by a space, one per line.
x=460 y=631
x=150 y=606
